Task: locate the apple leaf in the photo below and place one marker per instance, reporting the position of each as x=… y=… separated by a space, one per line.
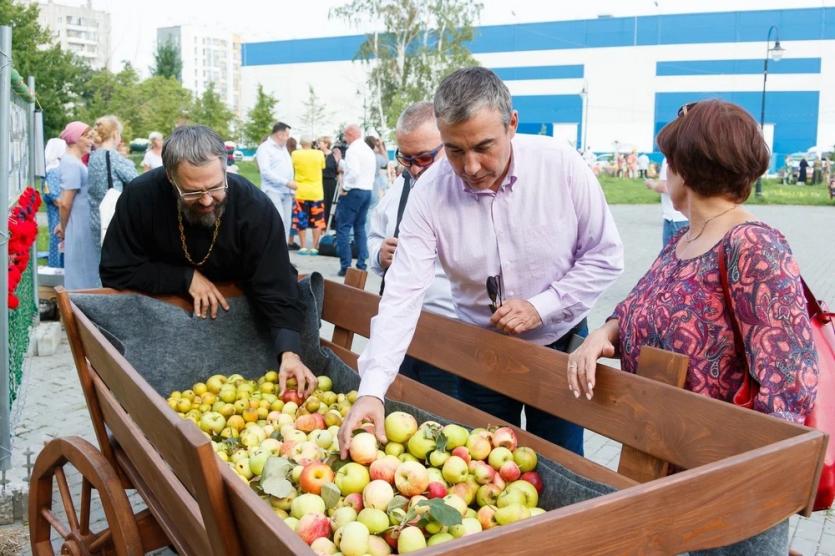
x=275 y=468
x=397 y=502
x=277 y=486
x=330 y=494
x=440 y=442
x=335 y=463
x=276 y=435
x=442 y=512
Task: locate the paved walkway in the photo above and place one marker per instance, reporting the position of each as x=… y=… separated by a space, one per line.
x=52 y=404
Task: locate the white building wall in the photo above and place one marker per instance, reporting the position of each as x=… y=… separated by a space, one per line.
x=78 y=29
x=621 y=84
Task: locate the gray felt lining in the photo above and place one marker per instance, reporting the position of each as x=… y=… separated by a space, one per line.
x=172 y=350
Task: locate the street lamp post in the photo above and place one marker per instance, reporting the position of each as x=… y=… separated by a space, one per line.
x=775 y=53
x=584 y=95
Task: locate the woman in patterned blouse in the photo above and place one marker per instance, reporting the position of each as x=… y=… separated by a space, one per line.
x=715 y=151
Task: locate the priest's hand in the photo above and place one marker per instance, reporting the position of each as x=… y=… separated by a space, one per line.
x=292 y=366
x=366 y=407
x=206 y=296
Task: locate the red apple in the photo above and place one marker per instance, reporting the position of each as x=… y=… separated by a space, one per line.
x=291 y=396
x=535 y=479
x=354 y=501
x=310 y=422
x=287 y=448
x=313 y=526
x=465 y=491
x=313 y=476
x=384 y=468
x=482 y=472
x=436 y=490
x=504 y=437
x=486 y=516
x=390 y=537
x=510 y=471
x=411 y=478
x=498 y=481
x=463 y=453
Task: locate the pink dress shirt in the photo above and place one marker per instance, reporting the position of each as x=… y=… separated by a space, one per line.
x=547 y=230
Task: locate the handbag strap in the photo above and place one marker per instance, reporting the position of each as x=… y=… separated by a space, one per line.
x=726 y=291
x=109 y=173
x=404 y=197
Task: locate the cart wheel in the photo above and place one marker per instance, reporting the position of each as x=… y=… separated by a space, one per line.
x=122 y=535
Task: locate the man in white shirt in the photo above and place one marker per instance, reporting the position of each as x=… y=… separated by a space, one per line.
x=276 y=169
x=419 y=146
x=359 y=172
x=643 y=165
x=673 y=219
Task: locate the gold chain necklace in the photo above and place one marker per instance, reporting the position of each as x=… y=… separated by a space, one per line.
x=692 y=239
x=183 y=240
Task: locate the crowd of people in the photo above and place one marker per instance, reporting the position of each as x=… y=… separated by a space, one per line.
x=82 y=164
x=501 y=230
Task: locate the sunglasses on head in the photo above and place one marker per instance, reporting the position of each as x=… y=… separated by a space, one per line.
x=685 y=109
x=422 y=159
x=495 y=292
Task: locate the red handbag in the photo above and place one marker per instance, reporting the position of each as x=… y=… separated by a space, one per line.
x=822 y=415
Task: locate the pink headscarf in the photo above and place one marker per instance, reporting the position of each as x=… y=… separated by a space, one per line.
x=73 y=132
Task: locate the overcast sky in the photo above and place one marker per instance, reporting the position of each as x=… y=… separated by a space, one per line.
x=134 y=23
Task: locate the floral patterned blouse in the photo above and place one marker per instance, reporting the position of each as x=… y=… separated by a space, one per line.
x=679 y=306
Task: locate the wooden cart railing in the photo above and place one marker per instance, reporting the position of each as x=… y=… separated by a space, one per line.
x=199 y=506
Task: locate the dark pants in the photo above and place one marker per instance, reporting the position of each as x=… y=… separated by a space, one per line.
x=551 y=428
x=352 y=212
x=439 y=379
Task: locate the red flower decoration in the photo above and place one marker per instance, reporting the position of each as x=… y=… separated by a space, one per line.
x=23 y=230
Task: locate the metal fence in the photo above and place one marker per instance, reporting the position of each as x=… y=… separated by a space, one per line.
x=18 y=153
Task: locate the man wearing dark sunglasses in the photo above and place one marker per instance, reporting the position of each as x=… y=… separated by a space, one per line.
x=182 y=228
x=419 y=146
x=523 y=209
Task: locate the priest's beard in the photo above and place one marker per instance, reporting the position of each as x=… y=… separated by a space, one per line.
x=196 y=218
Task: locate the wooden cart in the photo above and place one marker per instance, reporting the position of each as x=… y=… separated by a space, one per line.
x=199 y=506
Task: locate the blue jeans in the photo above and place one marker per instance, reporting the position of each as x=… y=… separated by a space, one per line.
x=542 y=424
x=351 y=212
x=439 y=379
x=670 y=229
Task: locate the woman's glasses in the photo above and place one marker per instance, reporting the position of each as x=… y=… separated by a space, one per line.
x=495 y=292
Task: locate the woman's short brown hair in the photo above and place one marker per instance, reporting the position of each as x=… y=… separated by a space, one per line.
x=717 y=148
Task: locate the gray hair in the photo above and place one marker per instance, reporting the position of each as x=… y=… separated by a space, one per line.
x=415 y=116
x=466 y=91
x=195 y=144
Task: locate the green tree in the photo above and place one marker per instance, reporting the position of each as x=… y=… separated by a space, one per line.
x=423 y=41
x=112 y=93
x=165 y=105
x=167 y=62
x=260 y=119
x=58 y=74
x=210 y=110
x=314 y=114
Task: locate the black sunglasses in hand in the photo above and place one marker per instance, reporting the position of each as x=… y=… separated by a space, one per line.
x=494 y=291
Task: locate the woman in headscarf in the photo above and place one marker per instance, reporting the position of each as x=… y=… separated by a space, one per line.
x=81 y=265
x=50 y=190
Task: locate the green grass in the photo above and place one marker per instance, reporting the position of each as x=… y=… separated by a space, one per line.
x=633 y=192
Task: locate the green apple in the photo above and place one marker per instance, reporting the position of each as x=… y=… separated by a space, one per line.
x=212 y=422
x=437 y=458
x=307 y=504
x=291 y=522
x=511 y=514
x=257 y=460
x=324 y=383
x=343 y=515
x=377 y=494
x=352 y=477
x=394 y=448
x=421 y=443
x=439 y=538
x=323 y=545
x=242 y=468
x=478 y=446
x=525 y=458
x=323 y=438
x=411 y=539
x=455 y=501
x=375 y=520
x=529 y=492
x=407 y=457
x=436 y=476
x=353 y=539
x=537 y=511
x=498 y=456
x=400 y=426
x=456 y=436
x=455 y=470
x=377 y=546
x=468 y=526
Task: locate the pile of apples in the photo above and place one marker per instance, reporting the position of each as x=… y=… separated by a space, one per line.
x=427 y=485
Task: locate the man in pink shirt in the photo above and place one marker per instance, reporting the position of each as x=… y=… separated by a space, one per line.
x=523 y=212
